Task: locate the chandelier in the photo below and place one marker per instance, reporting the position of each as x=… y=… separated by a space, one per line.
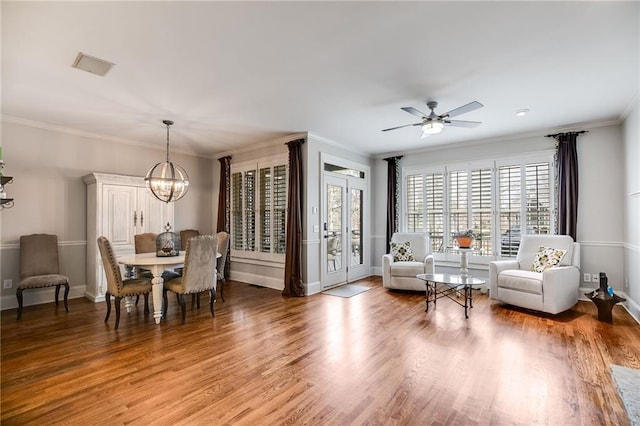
x=167 y=181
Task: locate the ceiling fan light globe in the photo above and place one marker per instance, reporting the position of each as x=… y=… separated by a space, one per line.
x=432 y=127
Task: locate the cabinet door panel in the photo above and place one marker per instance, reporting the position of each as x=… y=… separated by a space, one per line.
x=118 y=218
x=154 y=212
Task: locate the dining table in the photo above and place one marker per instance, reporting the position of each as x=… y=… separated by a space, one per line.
x=157 y=265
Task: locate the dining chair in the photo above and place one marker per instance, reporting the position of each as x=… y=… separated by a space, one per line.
x=185 y=234
x=144 y=243
x=40 y=267
x=221 y=263
x=199 y=273
x=118 y=287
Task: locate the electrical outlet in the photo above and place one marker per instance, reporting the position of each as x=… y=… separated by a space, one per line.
x=8 y=283
x=595 y=278
x=587 y=278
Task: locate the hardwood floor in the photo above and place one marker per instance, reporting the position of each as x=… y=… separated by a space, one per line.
x=375 y=358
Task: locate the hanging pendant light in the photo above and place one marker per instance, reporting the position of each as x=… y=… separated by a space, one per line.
x=167 y=181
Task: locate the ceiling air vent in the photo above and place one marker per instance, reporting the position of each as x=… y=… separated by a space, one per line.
x=91 y=64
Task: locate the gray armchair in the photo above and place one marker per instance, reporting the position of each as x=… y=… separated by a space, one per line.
x=553 y=290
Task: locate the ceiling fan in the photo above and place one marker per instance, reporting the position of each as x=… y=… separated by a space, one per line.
x=434 y=123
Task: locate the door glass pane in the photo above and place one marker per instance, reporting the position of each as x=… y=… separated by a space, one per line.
x=334 y=227
x=356 y=227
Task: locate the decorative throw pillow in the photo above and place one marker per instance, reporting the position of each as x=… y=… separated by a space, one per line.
x=402 y=252
x=547 y=257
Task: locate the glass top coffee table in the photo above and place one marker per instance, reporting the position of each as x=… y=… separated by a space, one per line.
x=447 y=285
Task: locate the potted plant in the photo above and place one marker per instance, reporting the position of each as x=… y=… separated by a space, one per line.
x=465 y=238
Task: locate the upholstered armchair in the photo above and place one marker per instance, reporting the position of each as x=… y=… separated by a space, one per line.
x=399 y=268
x=199 y=273
x=544 y=276
x=39 y=267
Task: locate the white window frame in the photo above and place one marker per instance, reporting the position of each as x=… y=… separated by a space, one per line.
x=257 y=255
x=493 y=165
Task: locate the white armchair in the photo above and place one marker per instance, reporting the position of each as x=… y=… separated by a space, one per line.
x=554 y=290
x=401 y=275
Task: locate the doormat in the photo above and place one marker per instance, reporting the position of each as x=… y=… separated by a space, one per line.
x=628 y=382
x=346 y=290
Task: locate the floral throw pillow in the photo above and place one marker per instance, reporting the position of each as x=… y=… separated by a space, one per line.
x=402 y=252
x=547 y=257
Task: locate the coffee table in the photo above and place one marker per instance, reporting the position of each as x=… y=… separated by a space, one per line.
x=446 y=285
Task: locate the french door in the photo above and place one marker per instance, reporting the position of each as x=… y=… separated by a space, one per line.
x=344 y=230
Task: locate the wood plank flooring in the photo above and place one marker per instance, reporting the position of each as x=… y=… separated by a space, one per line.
x=376 y=358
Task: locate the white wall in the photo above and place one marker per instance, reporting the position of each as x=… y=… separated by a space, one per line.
x=50 y=196
x=600 y=204
x=631 y=138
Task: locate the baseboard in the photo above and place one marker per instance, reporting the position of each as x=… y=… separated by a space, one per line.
x=260 y=280
x=313 y=288
x=632 y=307
x=40 y=296
x=376 y=270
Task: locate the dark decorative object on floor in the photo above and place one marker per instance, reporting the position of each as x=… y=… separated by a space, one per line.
x=167 y=243
x=605 y=299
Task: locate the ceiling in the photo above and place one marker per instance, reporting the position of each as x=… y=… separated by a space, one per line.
x=231 y=74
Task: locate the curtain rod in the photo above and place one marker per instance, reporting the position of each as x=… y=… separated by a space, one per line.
x=567 y=133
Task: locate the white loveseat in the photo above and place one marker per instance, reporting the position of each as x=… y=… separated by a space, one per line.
x=401 y=275
x=554 y=290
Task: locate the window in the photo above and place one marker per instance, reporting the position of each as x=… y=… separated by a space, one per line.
x=259 y=203
x=492 y=198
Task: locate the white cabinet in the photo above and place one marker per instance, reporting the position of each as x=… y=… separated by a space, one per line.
x=118 y=207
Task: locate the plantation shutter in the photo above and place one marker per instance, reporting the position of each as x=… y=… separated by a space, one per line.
x=279 y=208
x=434 y=204
x=458 y=201
x=538 y=198
x=415 y=204
x=481 y=208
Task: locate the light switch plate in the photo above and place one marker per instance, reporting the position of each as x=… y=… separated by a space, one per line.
x=587 y=278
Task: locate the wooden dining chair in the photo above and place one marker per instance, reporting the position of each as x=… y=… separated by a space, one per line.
x=40 y=267
x=199 y=273
x=118 y=287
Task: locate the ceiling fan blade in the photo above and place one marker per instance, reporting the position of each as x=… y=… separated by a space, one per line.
x=400 y=127
x=412 y=110
x=462 y=123
x=471 y=106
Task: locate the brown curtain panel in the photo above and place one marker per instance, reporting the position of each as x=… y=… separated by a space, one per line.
x=393 y=178
x=224 y=205
x=567 y=155
x=293 y=258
